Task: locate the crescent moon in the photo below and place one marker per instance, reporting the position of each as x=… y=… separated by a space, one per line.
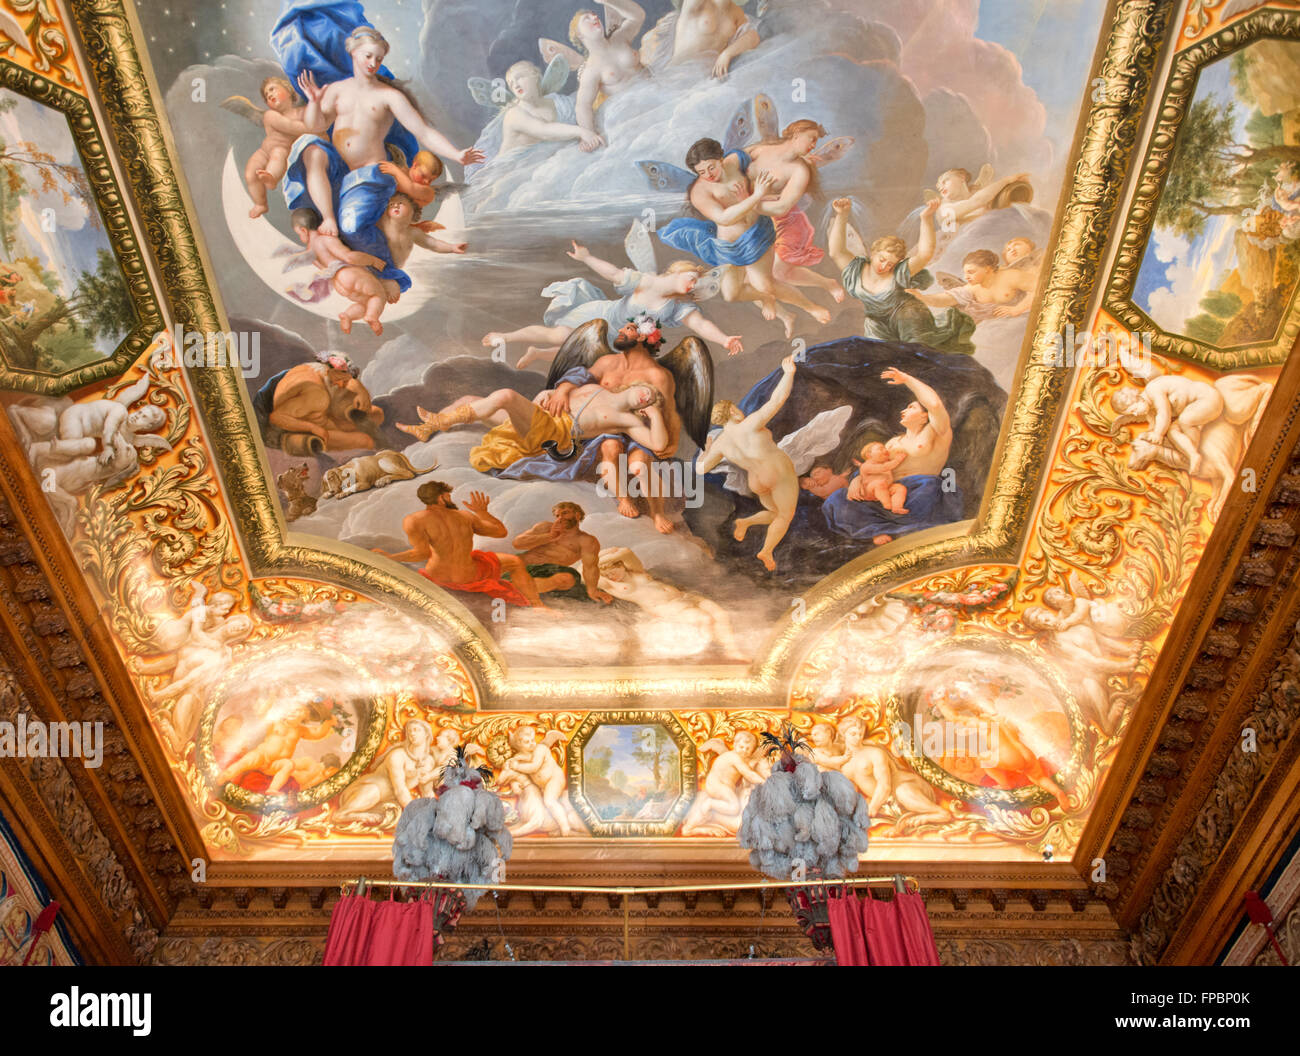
x=257 y=239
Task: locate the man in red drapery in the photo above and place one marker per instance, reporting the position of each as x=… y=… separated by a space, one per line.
x=442 y=536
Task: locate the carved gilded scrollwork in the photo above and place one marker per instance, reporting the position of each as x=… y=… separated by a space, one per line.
x=45 y=48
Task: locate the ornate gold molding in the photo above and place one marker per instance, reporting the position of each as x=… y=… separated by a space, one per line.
x=117 y=225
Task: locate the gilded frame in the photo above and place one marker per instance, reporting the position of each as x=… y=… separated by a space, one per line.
x=1180 y=87
x=258 y=802
x=117 y=225
x=1022 y=798
x=687 y=772
x=1135 y=35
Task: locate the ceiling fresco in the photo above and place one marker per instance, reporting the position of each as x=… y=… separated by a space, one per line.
x=595 y=391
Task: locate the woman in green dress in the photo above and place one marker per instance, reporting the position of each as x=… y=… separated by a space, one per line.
x=882 y=282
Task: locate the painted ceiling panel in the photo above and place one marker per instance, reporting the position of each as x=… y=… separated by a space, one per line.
x=598 y=406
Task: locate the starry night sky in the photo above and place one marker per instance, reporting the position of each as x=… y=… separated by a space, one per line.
x=182 y=33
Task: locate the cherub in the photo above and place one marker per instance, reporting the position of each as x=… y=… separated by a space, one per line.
x=747 y=444
x=672 y=297
x=606 y=60
x=624 y=576
x=73 y=446
x=822 y=480
x=1176 y=408
x=415 y=765
x=274 y=756
x=347 y=270
x=417 y=181
x=875 y=480
x=720 y=803
x=532 y=110
x=962 y=197
x=876 y=775
x=822 y=740
x=402 y=227
x=989 y=292
x=195 y=648
x=1092 y=637
x=1178 y=412
x=283 y=123
x=534 y=764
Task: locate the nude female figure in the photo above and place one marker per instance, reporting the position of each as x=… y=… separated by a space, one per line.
x=607 y=60
x=362 y=109
x=794 y=176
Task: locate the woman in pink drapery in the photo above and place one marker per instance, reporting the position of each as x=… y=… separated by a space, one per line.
x=870 y=931
x=363 y=932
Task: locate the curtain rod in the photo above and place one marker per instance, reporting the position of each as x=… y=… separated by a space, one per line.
x=897 y=880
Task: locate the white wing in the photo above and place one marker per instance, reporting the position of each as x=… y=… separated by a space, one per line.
x=820 y=435
x=640 y=248
x=853 y=242
x=556 y=75
x=293 y=256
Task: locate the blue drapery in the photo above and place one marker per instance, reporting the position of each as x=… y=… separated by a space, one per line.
x=310 y=34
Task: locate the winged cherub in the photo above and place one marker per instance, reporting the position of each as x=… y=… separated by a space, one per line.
x=282 y=122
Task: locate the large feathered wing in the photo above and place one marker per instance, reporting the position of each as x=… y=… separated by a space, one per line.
x=692 y=369
x=820 y=435
x=581 y=348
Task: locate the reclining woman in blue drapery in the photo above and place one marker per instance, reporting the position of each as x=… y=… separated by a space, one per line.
x=334 y=56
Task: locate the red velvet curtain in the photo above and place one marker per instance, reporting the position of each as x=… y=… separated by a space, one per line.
x=363 y=932
x=869 y=931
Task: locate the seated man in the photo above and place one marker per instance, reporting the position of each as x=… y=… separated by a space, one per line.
x=442 y=536
x=551 y=548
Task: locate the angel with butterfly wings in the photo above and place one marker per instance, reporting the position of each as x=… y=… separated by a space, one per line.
x=531 y=109
x=751 y=191
x=672 y=296
x=606 y=59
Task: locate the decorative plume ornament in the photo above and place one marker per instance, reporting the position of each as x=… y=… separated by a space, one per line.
x=804 y=823
x=458 y=837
